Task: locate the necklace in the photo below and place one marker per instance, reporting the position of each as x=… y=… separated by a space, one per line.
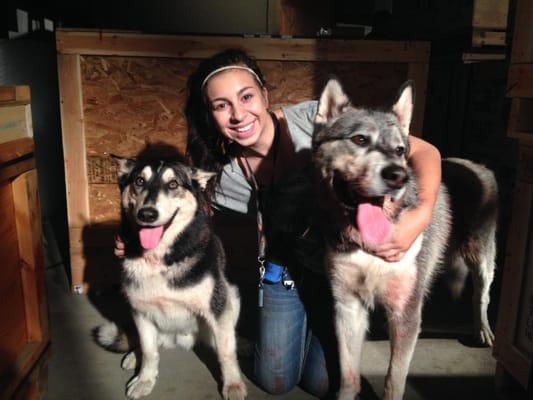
x=264 y=170
x=250 y=177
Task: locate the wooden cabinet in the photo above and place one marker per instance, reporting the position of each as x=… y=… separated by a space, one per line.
x=23 y=307
x=514 y=334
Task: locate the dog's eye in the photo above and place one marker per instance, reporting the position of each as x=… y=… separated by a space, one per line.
x=173 y=184
x=139 y=181
x=400 y=151
x=360 y=140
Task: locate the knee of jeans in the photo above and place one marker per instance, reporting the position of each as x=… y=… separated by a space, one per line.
x=275 y=384
x=318 y=388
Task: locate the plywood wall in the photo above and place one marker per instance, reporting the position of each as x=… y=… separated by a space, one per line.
x=130 y=102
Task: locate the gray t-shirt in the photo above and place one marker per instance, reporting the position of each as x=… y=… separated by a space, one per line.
x=288 y=207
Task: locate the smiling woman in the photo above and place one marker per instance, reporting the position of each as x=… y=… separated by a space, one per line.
x=239 y=107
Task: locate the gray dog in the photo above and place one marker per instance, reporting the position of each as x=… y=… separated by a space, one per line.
x=365 y=183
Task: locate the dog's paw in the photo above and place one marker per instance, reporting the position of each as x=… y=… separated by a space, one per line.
x=234 y=391
x=137 y=387
x=129 y=361
x=485 y=336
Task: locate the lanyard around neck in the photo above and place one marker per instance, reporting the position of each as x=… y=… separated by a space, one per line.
x=250 y=177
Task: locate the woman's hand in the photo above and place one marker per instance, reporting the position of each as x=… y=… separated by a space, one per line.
x=120 y=247
x=404 y=233
x=426 y=163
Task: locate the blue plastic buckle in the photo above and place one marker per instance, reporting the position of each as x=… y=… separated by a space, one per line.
x=273 y=272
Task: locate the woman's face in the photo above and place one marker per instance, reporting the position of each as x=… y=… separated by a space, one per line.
x=238 y=105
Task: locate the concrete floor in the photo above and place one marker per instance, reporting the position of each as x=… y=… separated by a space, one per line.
x=442 y=368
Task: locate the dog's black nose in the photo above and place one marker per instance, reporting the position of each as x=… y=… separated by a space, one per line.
x=394 y=176
x=147 y=214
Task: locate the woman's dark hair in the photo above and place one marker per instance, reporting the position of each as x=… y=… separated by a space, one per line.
x=207 y=148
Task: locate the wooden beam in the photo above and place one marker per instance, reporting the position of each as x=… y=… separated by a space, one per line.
x=513 y=269
x=24 y=363
x=12 y=170
x=15 y=122
x=514 y=361
x=29 y=233
x=14 y=149
x=73 y=130
x=520 y=81
x=523 y=33
x=478 y=57
x=521 y=120
x=304 y=17
x=15 y=94
x=490 y=14
x=488 y=38
x=194 y=47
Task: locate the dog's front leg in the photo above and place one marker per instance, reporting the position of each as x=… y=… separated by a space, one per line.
x=403 y=332
x=351 y=323
x=143 y=383
x=223 y=329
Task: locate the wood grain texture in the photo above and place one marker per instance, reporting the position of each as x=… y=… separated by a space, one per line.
x=522 y=51
x=29 y=234
x=13 y=334
x=14 y=149
x=15 y=122
x=520 y=234
x=15 y=94
x=490 y=14
x=131 y=102
x=198 y=47
x=73 y=130
x=520 y=81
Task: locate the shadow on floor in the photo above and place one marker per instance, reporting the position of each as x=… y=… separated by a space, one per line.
x=456 y=388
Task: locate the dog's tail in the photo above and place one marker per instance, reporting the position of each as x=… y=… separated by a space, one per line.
x=111 y=337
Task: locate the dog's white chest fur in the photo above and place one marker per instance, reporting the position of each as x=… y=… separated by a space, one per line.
x=171 y=309
x=371 y=278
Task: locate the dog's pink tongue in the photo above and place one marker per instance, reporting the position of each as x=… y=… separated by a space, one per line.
x=372 y=224
x=150 y=237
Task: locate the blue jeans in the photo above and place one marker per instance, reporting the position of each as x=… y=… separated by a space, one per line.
x=287 y=351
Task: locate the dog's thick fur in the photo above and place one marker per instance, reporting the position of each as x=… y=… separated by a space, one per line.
x=360 y=156
x=175 y=285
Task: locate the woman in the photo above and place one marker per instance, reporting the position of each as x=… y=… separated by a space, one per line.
x=262 y=160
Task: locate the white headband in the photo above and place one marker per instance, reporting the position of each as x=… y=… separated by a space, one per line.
x=216 y=71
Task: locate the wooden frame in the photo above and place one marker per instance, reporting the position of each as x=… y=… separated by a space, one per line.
x=18 y=180
x=73 y=45
x=513 y=352
x=522 y=51
x=506 y=351
x=489 y=22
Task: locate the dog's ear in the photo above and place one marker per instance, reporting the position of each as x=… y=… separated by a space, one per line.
x=201 y=176
x=333 y=101
x=403 y=107
x=124 y=165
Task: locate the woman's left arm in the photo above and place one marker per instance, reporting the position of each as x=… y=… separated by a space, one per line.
x=426 y=163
